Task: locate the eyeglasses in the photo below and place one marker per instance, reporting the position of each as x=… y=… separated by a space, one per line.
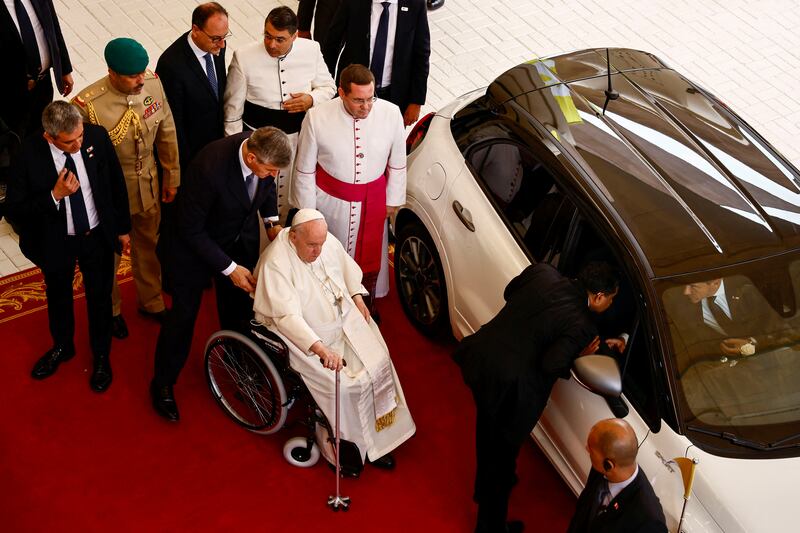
x=363 y=101
x=216 y=38
x=270 y=37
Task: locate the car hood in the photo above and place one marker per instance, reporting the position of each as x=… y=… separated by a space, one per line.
x=747 y=494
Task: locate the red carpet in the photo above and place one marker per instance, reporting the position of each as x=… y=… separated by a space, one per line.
x=74 y=460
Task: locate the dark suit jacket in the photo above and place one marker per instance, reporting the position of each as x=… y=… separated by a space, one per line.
x=321 y=12
x=696 y=341
x=12 y=60
x=42 y=225
x=217 y=223
x=197 y=112
x=531 y=342
x=636 y=509
x=350 y=34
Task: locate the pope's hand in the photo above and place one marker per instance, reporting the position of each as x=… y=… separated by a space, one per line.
x=242 y=278
x=328 y=357
x=362 y=307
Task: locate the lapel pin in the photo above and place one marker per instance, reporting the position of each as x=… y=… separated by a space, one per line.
x=404 y=8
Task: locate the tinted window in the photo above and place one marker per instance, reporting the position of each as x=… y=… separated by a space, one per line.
x=736 y=351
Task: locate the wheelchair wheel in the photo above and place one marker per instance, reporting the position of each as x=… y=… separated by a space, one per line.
x=245 y=382
x=297 y=453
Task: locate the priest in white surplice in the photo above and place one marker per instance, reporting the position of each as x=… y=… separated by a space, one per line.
x=351 y=165
x=309 y=292
x=273 y=83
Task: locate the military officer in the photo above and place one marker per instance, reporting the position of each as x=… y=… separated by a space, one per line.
x=131 y=105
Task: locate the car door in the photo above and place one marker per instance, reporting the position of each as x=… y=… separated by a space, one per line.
x=482 y=256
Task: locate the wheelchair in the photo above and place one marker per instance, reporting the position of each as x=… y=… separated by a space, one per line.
x=249 y=376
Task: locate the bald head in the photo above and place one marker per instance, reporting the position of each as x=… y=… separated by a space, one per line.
x=612 y=447
x=308 y=238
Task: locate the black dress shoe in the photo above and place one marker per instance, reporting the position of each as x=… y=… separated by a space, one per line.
x=435 y=4
x=101 y=374
x=164 y=402
x=119 y=329
x=158 y=316
x=47 y=365
x=384 y=463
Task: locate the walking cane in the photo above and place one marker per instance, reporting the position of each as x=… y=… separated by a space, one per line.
x=337 y=501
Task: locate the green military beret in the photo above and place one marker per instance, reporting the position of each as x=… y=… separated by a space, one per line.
x=126 y=56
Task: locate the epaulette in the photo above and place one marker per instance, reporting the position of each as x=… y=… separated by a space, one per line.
x=150 y=75
x=89 y=94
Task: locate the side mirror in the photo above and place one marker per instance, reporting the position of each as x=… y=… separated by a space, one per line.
x=598 y=374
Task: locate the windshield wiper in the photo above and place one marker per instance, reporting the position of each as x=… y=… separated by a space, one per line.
x=733 y=439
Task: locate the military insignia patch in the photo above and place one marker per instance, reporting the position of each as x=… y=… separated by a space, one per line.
x=155 y=106
x=148 y=100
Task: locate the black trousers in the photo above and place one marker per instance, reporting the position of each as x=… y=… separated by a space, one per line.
x=96 y=261
x=498 y=440
x=234 y=308
x=23 y=115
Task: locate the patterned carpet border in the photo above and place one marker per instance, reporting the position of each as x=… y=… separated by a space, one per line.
x=23 y=293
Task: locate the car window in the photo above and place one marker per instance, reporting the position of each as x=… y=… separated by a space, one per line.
x=736 y=349
x=525 y=193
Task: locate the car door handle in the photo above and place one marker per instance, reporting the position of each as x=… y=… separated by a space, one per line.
x=463 y=215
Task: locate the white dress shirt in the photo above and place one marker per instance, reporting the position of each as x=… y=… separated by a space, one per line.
x=377 y=9
x=59 y=160
x=245 y=173
x=200 y=54
x=41 y=40
x=615 y=488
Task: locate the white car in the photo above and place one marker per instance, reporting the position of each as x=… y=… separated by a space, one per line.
x=564 y=160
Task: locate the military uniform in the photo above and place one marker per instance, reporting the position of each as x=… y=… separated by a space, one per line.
x=137 y=124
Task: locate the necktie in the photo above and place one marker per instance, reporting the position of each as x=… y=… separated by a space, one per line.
x=80 y=220
x=251 y=183
x=379 y=52
x=32 y=59
x=602 y=496
x=212 y=75
x=722 y=319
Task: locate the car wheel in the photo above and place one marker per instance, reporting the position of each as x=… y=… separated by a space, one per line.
x=420 y=280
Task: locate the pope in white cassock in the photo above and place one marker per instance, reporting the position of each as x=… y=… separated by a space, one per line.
x=309 y=292
x=273 y=83
x=351 y=166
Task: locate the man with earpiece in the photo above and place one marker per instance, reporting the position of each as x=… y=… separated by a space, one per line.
x=617 y=497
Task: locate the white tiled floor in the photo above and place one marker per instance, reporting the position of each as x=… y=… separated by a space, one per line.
x=745 y=51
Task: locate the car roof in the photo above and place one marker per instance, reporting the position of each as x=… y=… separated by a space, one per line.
x=695 y=186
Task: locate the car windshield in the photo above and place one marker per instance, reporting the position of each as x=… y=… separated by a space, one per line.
x=736 y=351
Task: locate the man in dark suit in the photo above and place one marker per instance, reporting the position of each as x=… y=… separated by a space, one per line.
x=398 y=31
x=512 y=363
x=192 y=71
x=719 y=318
x=321 y=12
x=229 y=189
x=32 y=44
x=617 y=497
x=68 y=197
